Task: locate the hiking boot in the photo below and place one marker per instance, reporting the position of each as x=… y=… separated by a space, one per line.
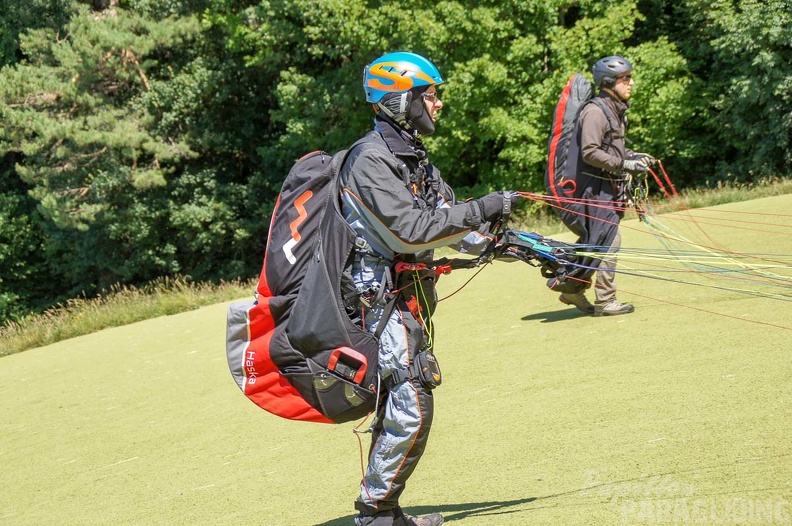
x=613 y=308
x=579 y=301
x=400 y=519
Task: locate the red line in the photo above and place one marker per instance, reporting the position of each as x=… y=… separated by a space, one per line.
x=723 y=220
x=707 y=311
x=546 y=199
x=715 y=211
x=668 y=180
x=693 y=220
x=659 y=183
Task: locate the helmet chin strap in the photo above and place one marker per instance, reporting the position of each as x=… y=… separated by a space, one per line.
x=402 y=124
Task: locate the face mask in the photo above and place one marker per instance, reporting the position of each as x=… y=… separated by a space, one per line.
x=418 y=116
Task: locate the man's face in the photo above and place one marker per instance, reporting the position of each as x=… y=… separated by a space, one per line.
x=433 y=103
x=423 y=109
x=623 y=85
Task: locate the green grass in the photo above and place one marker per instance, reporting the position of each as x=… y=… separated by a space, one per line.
x=544 y=416
x=121 y=306
x=723 y=194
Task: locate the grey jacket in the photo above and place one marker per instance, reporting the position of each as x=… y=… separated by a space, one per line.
x=399 y=203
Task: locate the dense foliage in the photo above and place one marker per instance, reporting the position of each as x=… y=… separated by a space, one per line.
x=144 y=139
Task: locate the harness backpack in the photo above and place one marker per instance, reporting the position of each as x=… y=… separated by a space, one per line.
x=561 y=173
x=562 y=177
x=292 y=349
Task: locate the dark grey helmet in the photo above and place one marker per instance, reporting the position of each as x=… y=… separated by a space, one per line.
x=607 y=69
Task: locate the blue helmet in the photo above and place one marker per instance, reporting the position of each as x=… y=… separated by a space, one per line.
x=397 y=73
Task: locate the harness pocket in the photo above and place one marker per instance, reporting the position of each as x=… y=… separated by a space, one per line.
x=339 y=396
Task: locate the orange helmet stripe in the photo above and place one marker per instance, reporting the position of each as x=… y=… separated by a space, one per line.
x=402 y=75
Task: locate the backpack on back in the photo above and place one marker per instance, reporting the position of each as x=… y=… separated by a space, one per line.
x=564 y=166
x=293 y=350
x=563 y=148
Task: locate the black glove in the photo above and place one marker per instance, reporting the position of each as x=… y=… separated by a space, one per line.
x=634 y=167
x=494 y=206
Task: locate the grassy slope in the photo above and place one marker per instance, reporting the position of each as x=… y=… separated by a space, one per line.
x=143 y=424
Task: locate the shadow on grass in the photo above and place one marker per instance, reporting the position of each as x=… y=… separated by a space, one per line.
x=601 y=494
x=556 y=315
x=451 y=512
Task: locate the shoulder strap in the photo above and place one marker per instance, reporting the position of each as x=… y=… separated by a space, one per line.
x=361 y=144
x=387 y=311
x=611 y=118
x=368 y=141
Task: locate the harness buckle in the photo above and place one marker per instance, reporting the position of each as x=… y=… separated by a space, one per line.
x=443 y=269
x=404 y=266
x=370 y=295
x=423 y=369
x=362 y=244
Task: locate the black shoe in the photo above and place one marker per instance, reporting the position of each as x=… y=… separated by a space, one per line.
x=579 y=301
x=401 y=519
x=383 y=518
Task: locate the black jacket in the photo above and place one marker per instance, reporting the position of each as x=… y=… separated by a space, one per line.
x=398 y=201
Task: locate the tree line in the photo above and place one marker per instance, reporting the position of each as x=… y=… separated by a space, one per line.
x=142 y=139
